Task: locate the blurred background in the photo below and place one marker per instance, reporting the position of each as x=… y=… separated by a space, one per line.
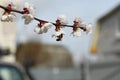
x=88 y=57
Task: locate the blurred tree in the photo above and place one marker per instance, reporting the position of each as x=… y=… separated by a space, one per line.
x=40 y=55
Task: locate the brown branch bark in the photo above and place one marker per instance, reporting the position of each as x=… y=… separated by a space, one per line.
x=37 y=19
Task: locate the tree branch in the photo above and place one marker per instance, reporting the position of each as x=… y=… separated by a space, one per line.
x=37 y=19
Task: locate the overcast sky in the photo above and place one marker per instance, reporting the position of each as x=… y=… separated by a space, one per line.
x=88 y=10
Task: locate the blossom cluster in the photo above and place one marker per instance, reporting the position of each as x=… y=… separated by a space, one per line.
x=43 y=26
x=8 y=16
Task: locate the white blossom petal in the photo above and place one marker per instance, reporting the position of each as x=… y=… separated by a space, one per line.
x=38 y=30
x=4 y=18
x=7 y=18
x=46 y=26
x=27 y=18
x=58 y=33
x=32 y=9
x=27 y=21
x=26 y=5
x=11 y=17
x=63 y=19
x=89 y=29
x=13 y=5
x=43 y=29
x=76 y=33
x=78 y=19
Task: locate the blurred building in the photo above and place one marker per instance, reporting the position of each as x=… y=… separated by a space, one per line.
x=106 y=45
x=8 y=29
x=106 y=41
x=41 y=55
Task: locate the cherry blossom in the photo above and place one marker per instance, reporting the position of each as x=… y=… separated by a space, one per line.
x=89 y=29
x=28 y=13
x=62 y=20
x=42 y=27
x=8 y=16
x=77 y=24
x=76 y=33
x=27 y=18
x=58 y=34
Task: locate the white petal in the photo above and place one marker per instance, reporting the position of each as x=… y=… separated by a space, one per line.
x=63 y=19
x=11 y=17
x=37 y=30
x=32 y=9
x=26 y=5
x=78 y=19
x=24 y=16
x=45 y=27
x=57 y=33
x=13 y=5
x=48 y=25
x=4 y=18
x=7 y=19
x=89 y=29
x=62 y=32
x=27 y=21
x=45 y=30
x=28 y=18
x=31 y=16
x=76 y=34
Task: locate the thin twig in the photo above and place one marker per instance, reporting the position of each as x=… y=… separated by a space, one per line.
x=37 y=19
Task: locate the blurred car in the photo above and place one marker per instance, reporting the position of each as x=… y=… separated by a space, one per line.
x=10 y=71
